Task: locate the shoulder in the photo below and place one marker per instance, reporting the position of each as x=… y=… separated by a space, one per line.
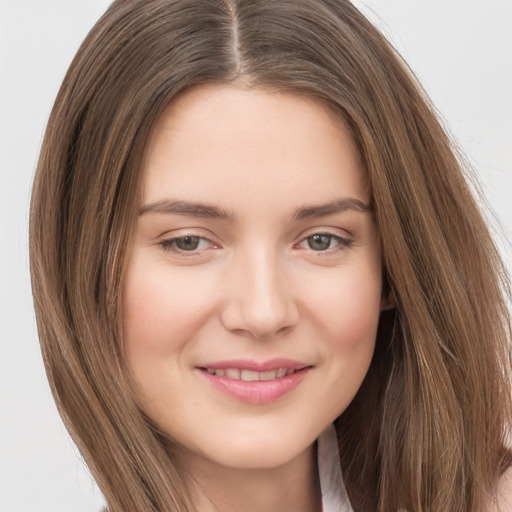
x=503 y=502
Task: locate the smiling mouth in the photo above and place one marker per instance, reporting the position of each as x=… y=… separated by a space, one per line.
x=255 y=382
x=250 y=375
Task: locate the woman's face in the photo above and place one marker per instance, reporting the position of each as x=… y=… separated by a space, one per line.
x=253 y=288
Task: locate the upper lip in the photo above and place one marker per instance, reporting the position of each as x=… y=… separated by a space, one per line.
x=255 y=366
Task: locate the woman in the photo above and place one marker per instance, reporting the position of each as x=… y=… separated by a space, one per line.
x=247 y=223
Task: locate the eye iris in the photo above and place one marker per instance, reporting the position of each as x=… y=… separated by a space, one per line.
x=319 y=242
x=187 y=243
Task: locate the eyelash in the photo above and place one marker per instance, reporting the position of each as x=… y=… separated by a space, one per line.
x=342 y=243
x=170 y=245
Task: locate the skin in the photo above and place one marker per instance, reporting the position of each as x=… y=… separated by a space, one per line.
x=257 y=286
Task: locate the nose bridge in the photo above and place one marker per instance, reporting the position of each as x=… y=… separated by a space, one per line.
x=261 y=300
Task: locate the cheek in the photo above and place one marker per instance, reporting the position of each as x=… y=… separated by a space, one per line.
x=161 y=309
x=347 y=309
x=346 y=312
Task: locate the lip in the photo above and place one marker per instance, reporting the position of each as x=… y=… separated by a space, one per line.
x=256 y=392
x=255 y=366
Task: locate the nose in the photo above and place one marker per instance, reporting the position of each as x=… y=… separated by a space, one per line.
x=260 y=298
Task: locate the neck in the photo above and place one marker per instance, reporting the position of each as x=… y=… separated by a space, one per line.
x=292 y=486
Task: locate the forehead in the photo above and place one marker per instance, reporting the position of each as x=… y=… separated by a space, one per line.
x=224 y=142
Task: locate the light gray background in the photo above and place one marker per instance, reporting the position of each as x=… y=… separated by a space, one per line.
x=460 y=49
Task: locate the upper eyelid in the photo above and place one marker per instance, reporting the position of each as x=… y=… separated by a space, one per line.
x=337 y=232
x=184 y=232
x=323 y=233
x=168 y=239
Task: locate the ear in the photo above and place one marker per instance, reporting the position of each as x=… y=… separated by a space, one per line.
x=387 y=301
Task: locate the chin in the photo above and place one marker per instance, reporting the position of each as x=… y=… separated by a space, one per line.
x=262 y=450
x=256 y=457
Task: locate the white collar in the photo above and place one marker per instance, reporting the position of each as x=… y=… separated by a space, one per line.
x=334 y=495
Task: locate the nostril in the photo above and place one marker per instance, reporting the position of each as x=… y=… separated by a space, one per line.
x=278 y=332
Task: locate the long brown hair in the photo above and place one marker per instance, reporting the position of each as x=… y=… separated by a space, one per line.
x=427 y=430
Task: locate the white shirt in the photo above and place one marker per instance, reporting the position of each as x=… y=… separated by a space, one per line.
x=334 y=495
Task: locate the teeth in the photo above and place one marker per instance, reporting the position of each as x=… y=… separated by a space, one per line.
x=232 y=373
x=268 y=375
x=249 y=375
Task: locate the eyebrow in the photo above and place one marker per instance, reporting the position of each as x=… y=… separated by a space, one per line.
x=208 y=211
x=189 y=209
x=338 y=206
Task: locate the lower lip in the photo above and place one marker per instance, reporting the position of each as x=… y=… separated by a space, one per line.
x=257 y=392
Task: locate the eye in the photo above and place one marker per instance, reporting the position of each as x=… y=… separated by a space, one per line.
x=190 y=244
x=321 y=242
x=187 y=243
